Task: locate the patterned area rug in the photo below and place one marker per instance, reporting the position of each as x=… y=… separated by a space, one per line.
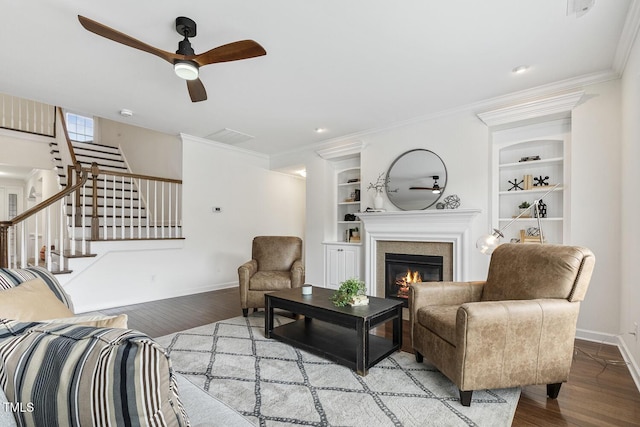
x=274 y=384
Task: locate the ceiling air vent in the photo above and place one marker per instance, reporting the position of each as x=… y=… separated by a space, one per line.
x=229 y=136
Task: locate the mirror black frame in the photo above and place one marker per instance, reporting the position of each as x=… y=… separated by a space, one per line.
x=399 y=189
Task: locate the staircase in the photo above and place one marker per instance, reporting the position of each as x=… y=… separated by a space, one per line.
x=118 y=201
x=100 y=200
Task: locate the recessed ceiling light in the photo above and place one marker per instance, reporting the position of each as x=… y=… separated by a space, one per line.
x=520 y=69
x=320 y=130
x=126 y=113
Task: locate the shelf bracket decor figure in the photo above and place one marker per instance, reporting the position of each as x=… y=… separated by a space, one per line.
x=540 y=181
x=515 y=184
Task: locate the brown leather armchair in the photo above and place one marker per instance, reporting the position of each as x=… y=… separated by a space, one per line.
x=516 y=328
x=276 y=263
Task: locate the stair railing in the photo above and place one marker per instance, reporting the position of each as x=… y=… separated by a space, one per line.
x=132 y=206
x=47 y=217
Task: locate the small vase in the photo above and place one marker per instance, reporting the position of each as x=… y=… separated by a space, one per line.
x=378 y=202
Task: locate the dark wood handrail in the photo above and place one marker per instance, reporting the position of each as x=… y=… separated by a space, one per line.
x=5 y=225
x=131 y=175
x=46 y=203
x=63 y=122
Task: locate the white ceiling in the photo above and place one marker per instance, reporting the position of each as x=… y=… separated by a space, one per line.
x=347 y=66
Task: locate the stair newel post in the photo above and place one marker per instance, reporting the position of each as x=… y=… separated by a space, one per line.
x=95 y=221
x=72 y=243
x=4 y=243
x=78 y=204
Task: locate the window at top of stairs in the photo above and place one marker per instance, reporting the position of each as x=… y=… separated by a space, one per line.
x=80 y=128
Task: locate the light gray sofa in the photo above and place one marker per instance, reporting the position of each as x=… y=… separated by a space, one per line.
x=117 y=354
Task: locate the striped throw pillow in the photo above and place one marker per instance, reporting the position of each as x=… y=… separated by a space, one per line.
x=10 y=278
x=71 y=375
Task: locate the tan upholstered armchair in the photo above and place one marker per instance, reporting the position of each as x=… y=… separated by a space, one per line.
x=276 y=263
x=516 y=328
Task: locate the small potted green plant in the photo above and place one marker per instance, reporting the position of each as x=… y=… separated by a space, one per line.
x=523 y=207
x=350 y=292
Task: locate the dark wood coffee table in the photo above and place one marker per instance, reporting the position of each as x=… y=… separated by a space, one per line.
x=340 y=334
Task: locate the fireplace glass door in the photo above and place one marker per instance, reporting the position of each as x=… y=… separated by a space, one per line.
x=401 y=270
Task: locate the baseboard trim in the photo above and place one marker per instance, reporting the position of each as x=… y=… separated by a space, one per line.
x=178 y=292
x=616 y=340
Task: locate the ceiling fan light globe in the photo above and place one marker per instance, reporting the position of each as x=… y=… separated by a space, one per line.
x=186 y=70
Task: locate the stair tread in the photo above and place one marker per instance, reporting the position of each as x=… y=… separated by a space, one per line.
x=67 y=254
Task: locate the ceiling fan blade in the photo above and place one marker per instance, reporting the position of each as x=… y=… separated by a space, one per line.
x=421 y=188
x=243 y=49
x=117 y=36
x=196 y=90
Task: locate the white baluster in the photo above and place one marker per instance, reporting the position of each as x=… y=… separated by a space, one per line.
x=47 y=213
x=122 y=224
x=177 y=225
x=36 y=243
x=73 y=218
x=23 y=248
x=148 y=210
x=83 y=205
x=162 y=223
x=61 y=239
x=105 y=224
x=139 y=209
x=131 y=210
x=113 y=209
x=170 y=206
x=155 y=209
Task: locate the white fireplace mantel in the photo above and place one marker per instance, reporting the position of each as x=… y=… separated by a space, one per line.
x=445 y=225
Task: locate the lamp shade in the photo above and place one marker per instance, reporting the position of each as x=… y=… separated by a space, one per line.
x=186 y=70
x=489 y=242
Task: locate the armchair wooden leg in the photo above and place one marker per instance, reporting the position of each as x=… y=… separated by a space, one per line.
x=245 y=312
x=553 y=390
x=419 y=357
x=465 y=397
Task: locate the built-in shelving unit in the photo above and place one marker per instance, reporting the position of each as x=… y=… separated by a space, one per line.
x=348 y=203
x=537 y=151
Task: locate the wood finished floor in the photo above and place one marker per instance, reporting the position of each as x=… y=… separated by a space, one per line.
x=593 y=396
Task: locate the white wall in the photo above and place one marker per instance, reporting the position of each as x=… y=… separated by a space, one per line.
x=596 y=200
x=148 y=152
x=254 y=201
x=630 y=204
x=28 y=150
x=462 y=141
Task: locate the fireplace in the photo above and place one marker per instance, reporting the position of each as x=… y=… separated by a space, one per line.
x=401 y=270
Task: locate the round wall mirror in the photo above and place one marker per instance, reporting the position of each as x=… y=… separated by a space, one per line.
x=416 y=180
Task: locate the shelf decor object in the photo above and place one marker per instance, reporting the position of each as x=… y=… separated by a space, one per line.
x=489 y=242
x=515 y=184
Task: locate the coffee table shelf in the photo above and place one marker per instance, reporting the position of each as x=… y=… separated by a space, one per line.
x=330 y=341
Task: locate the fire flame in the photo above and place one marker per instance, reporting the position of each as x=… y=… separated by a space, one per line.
x=404 y=282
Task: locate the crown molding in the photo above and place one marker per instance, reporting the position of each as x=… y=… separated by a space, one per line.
x=341 y=150
x=627 y=37
x=532 y=109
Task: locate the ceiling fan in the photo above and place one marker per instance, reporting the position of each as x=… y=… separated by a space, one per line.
x=435 y=189
x=185 y=62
